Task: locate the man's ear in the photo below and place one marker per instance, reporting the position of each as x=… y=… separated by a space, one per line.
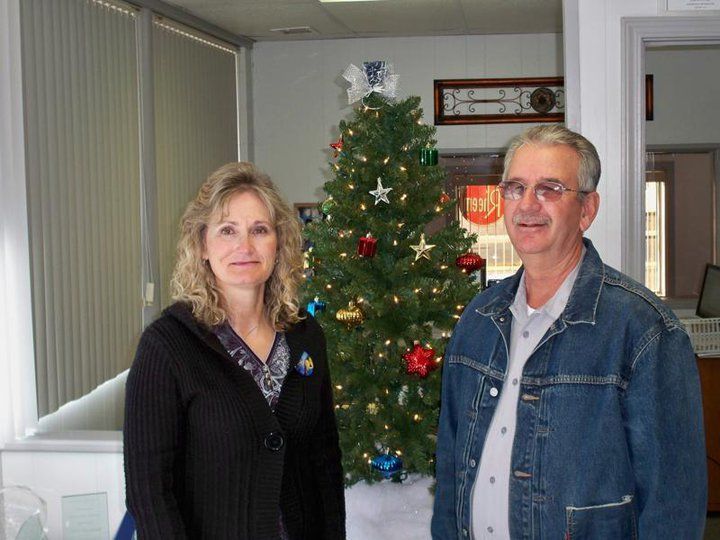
x=590 y=207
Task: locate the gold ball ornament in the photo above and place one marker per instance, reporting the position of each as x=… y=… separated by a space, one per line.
x=352 y=316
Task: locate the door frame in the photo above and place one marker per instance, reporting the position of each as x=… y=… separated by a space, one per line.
x=637 y=34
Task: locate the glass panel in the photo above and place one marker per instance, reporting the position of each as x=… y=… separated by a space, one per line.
x=655 y=225
x=472 y=180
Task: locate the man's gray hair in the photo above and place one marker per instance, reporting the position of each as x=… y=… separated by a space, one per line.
x=555 y=134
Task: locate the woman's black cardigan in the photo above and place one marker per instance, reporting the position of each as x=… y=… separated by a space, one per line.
x=206 y=457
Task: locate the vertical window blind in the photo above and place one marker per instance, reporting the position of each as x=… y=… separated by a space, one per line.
x=83 y=160
x=195 y=125
x=82 y=163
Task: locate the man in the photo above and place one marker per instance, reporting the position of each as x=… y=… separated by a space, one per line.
x=571 y=402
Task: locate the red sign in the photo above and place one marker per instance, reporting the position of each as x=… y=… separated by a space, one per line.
x=482 y=205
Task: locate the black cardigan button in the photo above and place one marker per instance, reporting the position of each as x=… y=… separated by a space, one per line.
x=274 y=441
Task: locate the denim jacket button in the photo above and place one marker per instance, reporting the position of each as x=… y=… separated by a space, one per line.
x=465 y=532
x=473 y=463
x=494 y=392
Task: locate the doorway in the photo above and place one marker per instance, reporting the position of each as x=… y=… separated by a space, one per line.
x=640 y=36
x=682 y=140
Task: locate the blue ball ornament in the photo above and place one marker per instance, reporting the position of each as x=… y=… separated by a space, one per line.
x=387 y=465
x=315 y=306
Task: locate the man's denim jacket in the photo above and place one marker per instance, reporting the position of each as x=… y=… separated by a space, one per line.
x=609 y=442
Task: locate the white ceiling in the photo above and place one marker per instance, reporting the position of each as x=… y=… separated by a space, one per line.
x=255 y=18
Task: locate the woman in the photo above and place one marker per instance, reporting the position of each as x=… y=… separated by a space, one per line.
x=229 y=422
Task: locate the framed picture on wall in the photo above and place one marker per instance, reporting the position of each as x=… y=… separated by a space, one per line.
x=499 y=101
x=308 y=212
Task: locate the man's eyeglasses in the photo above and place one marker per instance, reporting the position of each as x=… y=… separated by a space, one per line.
x=547 y=191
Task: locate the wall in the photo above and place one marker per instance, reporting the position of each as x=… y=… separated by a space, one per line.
x=299 y=93
x=693 y=224
x=686 y=89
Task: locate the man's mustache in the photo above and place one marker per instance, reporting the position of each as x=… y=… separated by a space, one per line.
x=530 y=219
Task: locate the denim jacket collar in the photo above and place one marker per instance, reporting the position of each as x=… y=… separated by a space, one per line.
x=583 y=301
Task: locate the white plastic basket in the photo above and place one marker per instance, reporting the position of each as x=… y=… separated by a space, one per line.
x=704 y=335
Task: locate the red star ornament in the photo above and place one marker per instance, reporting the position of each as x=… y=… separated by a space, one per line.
x=337 y=146
x=420 y=360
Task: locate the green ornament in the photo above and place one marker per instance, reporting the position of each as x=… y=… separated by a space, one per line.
x=428 y=156
x=327 y=205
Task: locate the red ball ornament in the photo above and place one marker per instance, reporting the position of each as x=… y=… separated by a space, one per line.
x=420 y=360
x=367 y=246
x=444 y=198
x=470 y=262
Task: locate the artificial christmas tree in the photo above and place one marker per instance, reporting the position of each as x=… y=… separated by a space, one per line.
x=391 y=291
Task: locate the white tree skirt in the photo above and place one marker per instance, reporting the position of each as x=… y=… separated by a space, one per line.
x=390 y=511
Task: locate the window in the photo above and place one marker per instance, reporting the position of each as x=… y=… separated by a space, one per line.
x=472 y=180
x=655 y=235
x=681 y=198
x=104 y=203
x=83 y=178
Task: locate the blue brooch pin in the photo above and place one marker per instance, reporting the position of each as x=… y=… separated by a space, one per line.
x=305 y=366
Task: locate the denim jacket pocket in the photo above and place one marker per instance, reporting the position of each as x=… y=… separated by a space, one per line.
x=612 y=520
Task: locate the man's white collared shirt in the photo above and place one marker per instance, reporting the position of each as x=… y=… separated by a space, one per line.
x=491 y=491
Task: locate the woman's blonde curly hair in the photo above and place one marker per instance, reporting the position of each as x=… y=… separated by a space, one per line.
x=193 y=281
